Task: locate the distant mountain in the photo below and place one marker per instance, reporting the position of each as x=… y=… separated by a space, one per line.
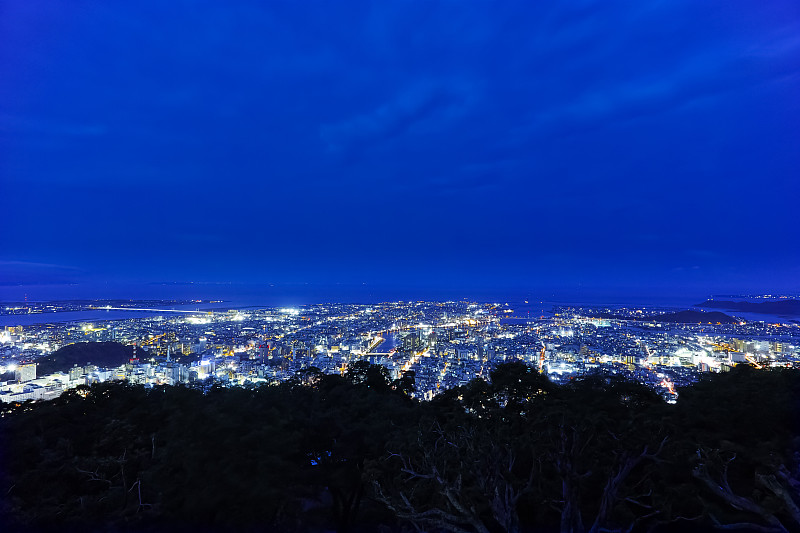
x=678 y=317
x=779 y=307
x=103 y=354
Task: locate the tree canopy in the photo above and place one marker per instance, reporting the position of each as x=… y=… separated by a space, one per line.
x=357 y=453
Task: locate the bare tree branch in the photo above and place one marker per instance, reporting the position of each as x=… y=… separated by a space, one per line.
x=721 y=489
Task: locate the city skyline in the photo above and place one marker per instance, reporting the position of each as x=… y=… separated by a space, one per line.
x=421 y=146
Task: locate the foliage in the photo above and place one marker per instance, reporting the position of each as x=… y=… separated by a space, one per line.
x=105 y=354
x=356 y=453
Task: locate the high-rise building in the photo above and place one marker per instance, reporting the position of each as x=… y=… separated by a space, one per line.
x=75 y=372
x=25 y=372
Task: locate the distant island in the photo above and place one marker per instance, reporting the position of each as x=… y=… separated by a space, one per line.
x=678 y=317
x=779 y=307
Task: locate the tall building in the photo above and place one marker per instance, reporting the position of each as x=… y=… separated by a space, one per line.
x=75 y=372
x=25 y=372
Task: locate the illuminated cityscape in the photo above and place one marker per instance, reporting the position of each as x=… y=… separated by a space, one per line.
x=443 y=345
x=399 y=267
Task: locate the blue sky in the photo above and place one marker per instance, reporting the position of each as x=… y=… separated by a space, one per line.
x=639 y=146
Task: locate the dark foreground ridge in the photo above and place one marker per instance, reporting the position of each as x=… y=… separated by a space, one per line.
x=356 y=453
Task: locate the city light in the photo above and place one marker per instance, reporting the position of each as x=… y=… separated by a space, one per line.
x=445 y=344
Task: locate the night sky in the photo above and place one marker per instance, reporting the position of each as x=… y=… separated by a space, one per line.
x=621 y=146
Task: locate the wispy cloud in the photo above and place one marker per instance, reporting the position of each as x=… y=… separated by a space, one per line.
x=14 y=272
x=685 y=76
x=413 y=107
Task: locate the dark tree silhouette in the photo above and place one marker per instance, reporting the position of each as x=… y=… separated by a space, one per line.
x=515 y=453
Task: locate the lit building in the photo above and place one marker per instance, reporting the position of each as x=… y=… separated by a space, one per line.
x=25 y=373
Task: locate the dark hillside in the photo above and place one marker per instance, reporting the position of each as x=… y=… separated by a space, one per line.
x=780 y=307
x=678 y=317
x=354 y=453
x=693 y=317
x=104 y=354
